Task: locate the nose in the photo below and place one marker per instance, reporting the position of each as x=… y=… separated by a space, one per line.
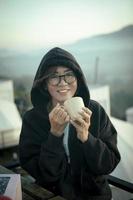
x=62 y=81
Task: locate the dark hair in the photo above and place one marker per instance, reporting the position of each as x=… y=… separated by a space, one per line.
x=46 y=74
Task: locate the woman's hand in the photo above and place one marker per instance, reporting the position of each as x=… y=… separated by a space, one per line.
x=58 y=119
x=82 y=124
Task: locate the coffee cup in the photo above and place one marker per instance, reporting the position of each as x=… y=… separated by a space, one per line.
x=73 y=106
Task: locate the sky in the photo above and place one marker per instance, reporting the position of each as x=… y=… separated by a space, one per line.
x=31 y=24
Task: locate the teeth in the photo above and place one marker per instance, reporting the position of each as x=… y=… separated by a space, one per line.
x=62 y=90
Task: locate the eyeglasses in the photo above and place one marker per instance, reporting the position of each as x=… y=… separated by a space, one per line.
x=68 y=77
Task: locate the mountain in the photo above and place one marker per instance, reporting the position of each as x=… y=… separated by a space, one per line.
x=113 y=49
x=124 y=32
x=115 y=40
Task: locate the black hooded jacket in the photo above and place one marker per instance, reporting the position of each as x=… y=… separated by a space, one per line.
x=42 y=154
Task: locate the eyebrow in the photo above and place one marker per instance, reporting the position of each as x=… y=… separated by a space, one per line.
x=67 y=70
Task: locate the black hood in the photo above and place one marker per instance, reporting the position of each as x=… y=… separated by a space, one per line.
x=57 y=57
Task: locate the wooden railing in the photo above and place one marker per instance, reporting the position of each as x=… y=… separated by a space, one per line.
x=117 y=182
x=30 y=190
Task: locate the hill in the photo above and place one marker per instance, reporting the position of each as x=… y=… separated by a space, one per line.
x=106 y=46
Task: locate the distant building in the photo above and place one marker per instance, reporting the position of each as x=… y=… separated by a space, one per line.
x=124 y=129
x=10 y=120
x=125 y=133
x=124 y=169
x=6 y=90
x=129 y=114
x=102 y=95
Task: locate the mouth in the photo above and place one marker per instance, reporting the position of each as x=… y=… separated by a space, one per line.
x=62 y=91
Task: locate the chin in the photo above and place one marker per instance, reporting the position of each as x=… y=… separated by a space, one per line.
x=61 y=101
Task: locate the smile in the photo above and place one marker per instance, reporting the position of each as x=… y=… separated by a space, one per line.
x=63 y=91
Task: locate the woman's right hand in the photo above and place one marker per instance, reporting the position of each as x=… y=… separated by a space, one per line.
x=58 y=119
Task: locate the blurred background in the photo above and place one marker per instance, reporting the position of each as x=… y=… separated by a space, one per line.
x=98 y=33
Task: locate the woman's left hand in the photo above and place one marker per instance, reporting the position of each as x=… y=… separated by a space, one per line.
x=82 y=124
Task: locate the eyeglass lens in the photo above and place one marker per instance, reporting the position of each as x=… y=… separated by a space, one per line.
x=56 y=79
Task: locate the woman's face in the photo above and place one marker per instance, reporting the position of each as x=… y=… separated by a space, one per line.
x=62 y=90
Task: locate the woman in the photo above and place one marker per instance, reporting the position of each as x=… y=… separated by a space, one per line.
x=69 y=157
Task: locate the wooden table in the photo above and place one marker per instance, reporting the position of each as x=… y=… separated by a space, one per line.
x=32 y=191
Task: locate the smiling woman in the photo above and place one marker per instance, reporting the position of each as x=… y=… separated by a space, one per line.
x=70 y=156
x=61 y=85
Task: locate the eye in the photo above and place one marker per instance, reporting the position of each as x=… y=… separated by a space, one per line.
x=70 y=74
x=54 y=76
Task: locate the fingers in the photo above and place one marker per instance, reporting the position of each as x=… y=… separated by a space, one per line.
x=86 y=114
x=82 y=122
x=79 y=124
x=76 y=125
x=87 y=110
x=59 y=114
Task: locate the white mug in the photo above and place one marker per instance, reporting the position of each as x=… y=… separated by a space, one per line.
x=73 y=106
